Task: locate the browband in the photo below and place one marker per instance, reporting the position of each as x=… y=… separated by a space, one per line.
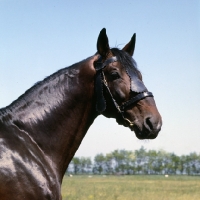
x=101 y=65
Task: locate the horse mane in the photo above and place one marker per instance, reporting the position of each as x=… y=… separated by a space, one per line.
x=49 y=81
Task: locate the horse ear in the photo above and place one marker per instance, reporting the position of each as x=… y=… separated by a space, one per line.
x=102 y=44
x=130 y=47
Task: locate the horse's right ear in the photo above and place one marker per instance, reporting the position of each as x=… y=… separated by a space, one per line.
x=130 y=47
x=102 y=44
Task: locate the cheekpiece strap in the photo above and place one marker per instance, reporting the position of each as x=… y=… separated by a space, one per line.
x=99 y=66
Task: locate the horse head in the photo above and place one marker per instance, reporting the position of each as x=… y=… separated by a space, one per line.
x=120 y=90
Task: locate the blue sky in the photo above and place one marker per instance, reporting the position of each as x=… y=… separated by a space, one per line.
x=39 y=37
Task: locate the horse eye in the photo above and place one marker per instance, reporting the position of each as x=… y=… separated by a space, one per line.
x=114 y=75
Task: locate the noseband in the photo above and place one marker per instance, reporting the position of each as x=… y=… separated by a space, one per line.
x=101 y=81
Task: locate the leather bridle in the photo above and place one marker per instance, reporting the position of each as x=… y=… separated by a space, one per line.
x=100 y=79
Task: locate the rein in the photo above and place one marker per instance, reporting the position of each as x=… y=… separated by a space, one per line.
x=100 y=79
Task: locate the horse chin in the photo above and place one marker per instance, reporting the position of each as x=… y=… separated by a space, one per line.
x=141 y=133
x=144 y=134
x=121 y=121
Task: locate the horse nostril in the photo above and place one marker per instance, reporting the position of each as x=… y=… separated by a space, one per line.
x=149 y=123
x=153 y=124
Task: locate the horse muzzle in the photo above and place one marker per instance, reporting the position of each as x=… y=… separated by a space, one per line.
x=149 y=129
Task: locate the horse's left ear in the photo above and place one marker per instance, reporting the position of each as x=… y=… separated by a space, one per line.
x=130 y=47
x=103 y=44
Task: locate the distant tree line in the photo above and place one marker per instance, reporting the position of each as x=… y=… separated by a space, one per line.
x=137 y=162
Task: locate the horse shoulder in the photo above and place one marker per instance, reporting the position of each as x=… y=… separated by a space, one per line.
x=25 y=173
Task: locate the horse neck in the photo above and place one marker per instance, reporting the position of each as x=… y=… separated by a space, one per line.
x=57 y=116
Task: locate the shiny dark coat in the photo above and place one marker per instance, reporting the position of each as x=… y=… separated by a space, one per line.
x=41 y=131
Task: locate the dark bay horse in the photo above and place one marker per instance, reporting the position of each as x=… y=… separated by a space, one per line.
x=41 y=131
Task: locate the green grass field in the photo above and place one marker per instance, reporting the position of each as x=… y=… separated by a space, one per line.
x=131 y=187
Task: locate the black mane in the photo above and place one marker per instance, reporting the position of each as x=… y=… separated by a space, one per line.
x=49 y=81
